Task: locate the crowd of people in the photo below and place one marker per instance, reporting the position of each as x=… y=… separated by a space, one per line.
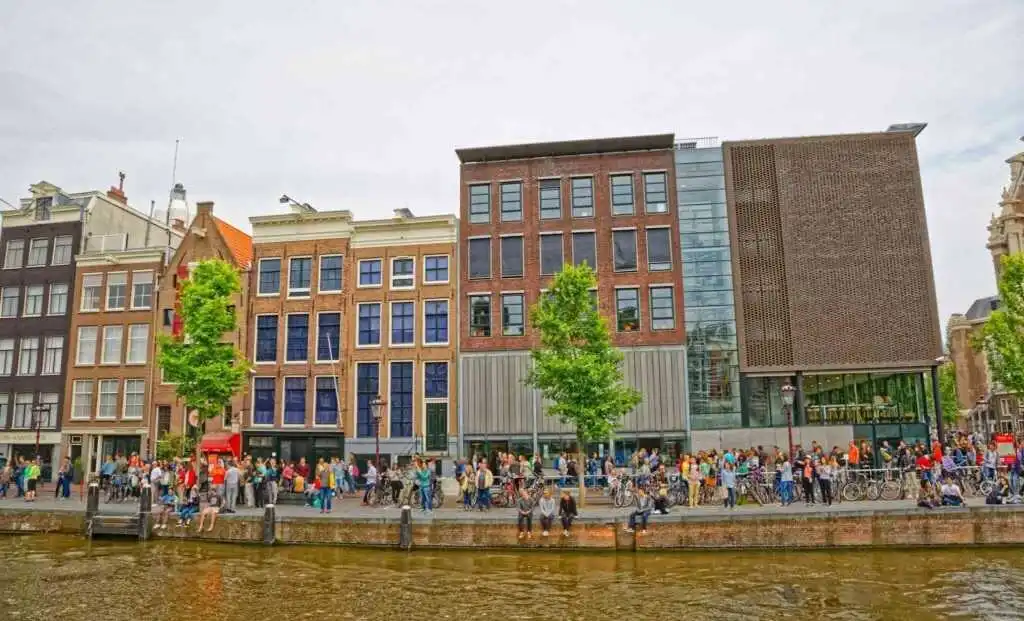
x=26 y=476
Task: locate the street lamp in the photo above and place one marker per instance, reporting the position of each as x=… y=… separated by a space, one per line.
x=377 y=404
x=37 y=412
x=788 y=394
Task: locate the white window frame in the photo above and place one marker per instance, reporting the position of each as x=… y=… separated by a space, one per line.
x=259 y=271
x=284 y=397
x=60 y=355
x=256 y=339
x=426 y=280
x=428 y=400
x=320 y=277
x=427 y=343
x=540 y=251
x=17 y=301
x=300 y=293
x=49 y=300
x=647 y=239
x=10 y=353
x=21 y=355
x=70 y=245
x=86 y=279
x=124 y=399
x=412 y=276
x=106 y=298
x=636 y=249
x=639 y=308
x=14 y=412
x=341 y=324
x=41 y=299
x=385 y=414
x=152 y=289
x=380 y=339
x=284 y=359
x=46 y=253
x=53 y=412
x=78 y=346
x=611 y=193
x=650 y=307
x=76 y=396
x=145 y=349
x=359 y=271
x=643 y=181
x=391 y=334
x=103 y=349
x=337 y=398
x=252 y=403
x=390 y=403
x=572 y=246
x=7 y=254
x=99 y=398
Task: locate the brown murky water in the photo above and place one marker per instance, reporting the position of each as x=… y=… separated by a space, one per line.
x=61 y=577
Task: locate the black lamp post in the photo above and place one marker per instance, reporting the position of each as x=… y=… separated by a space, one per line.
x=377 y=404
x=37 y=412
x=788 y=394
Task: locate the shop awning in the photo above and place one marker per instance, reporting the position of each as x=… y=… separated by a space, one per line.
x=221 y=443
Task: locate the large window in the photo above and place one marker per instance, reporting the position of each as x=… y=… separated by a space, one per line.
x=300 y=275
x=367 y=385
x=435 y=392
x=48 y=418
x=142 y=290
x=81 y=399
x=655 y=194
x=37 y=250
x=263 y=401
x=663 y=310
x=403 y=273
x=435 y=269
x=582 y=197
x=270 y=276
x=86 y=350
x=106 y=408
x=403 y=322
x=134 y=398
x=112 y=336
x=326 y=401
x=92 y=289
x=4 y=406
x=297 y=343
x=551 y=258
x=480 y=257
x=58 y=299
x=584 y=249
x=61 y=250
x=22 y=411
x=622 y=195
x=512 y=323
x=627 y=310
x=330 y=273
x=512 y=256
x=369 y=324
x=117 y=291
x=33 y=301
x=266 y=338
x=294 y=400
x=138 y=343
x=550 y=199
x=435 y=321
x=659 y=249
x=370 y=273
x=14 y=254
x=401 y=399
x=9 y=302
x=6 y=356
x=328 y=340
x=512 y=201
x=624 y=249
x=53 y=354
x=28 y=358
x=480 y=315
x=479 y=204
x=436 y=377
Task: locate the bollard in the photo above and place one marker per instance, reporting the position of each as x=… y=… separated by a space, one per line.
x=268 y=526
x=405 y=529
x=92 y=507
x=145 y=511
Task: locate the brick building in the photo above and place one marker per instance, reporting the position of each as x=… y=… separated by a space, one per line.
x=525 y=211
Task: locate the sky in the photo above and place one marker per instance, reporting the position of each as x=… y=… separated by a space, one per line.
x=359 y=105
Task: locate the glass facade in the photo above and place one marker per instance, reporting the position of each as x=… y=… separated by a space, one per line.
x=865 y=398
x=712 y=356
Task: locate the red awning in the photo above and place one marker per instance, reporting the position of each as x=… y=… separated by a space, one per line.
x=222 y=443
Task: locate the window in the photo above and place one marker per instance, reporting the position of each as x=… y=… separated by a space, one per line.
x=401 y=399
x=168 y=317
x=22 y=411
x=551 y=253
x=61 y=250
x=134 y=398
x=142 y=290
x=33 y=301
x=659 y=249
x=28 y=359
x=479 y=204
x=58 y=299
x=42 y=207
x=550 y=198
x=4 y=405
x=436 y=380
x=15 y=254
x=627 y=310
x=435 y=392
x=582 y=197
x=138 y=343
x=297 y=344
x=655 y=195
x=86 y=350
x=294 y=400
x=263 y=401
x=300 y=274
x=112 y=336
x=6 y=356
x=369 y=324
x=512 y=201
x=512 y=256
x=370 y=273
x=330 y=273
x=117 y=290
x=48 y=418
x=622 y=195
x=326 y=401
x=512 y=314
x=37 y=249
x=107 y=406
x=435 y=314
x=81 y=400
x=403 y=273
x=328 y=340
x=663 y=315
x=53 y=355
x=480 y=257
x=479 y=315
x=435 y=269
x=92 y=287
x=624 y=247
x=270 y=276
x=367 y=385
x=9 y=302
x=584 y=249
x=266 y=338
x=403 y=320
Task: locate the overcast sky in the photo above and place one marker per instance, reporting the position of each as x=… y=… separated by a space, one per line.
x=359 y=105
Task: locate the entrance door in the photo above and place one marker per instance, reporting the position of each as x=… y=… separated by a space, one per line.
x=437 y=426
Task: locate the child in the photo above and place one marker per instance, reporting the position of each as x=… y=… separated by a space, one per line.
x=188 y=510
x=167 y=502
x=212 y=508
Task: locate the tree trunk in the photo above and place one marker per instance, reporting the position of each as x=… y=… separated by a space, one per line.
x=581 y=468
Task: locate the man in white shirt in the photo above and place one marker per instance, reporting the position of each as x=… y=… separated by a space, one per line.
x=951 y=495
x=156 y=479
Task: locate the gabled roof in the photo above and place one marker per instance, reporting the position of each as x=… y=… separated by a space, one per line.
x=239 y=243
x=982 y=307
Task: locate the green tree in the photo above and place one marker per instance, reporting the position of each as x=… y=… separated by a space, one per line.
x=206 y=371
x=576 y=368
x=947 y=393
x=1002 y=337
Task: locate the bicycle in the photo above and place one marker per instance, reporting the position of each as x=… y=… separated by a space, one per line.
x=625 y=493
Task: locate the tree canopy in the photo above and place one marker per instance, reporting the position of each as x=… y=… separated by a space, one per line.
x=1002 y=336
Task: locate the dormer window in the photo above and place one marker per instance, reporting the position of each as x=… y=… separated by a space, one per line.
x=43 y=205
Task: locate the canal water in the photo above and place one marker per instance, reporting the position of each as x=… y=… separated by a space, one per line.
x=54 y=578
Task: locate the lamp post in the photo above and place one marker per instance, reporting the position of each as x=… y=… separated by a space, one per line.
x=377 y=404
x=788 y=394
x=37 y=412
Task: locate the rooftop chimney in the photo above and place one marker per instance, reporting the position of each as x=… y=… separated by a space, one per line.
x=117 y=193
x=204 y=208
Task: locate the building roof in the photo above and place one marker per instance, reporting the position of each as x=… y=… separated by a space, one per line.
x=982 y=307
x=237 y=241
x=567 y=147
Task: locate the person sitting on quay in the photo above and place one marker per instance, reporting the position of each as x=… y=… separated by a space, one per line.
x=547 y=512
x=167 y=501
x=567 y=511
x=524 y=509
x=641 y=513
x=189 y=508
x=1000 y=493
x=927 y=498
x=951 y=494
x=213 y=503
x=661 y=501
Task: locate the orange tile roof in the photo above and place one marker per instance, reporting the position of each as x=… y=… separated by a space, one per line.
x=238 y=242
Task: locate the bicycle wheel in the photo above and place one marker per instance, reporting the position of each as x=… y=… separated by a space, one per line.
x=986 y=487
x=438 y=498
x=891 y=490
x=873 y=490
x=852 y=491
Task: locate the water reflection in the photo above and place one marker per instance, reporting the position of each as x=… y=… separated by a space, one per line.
x=55 y=578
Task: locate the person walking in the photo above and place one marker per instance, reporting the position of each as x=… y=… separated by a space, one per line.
x=426 y=489
x=371 y=481
x=729 y=484
x=31 y=480
x=232 y=479
x=524 y=509
x=567 y=511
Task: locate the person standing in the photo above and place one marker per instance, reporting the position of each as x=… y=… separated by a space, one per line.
x=824 y=472
x=31 y=479
x=693 y=477
x=808 y=480
x=786 y=481
x=524 y=509
x=547 y=512
x=484 y=481
x=232 y=479
x=326 y=478
x=426 y=491
x=5 y=479
x=64 y=476
x=371 y=481
x=729 y=484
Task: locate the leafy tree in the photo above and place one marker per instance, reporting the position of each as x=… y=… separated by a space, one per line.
x=947 y=393
x=576 y=368
x=1002 y=336
x=206 y=371
x=174 y=445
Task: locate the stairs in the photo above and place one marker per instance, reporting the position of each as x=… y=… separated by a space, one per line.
x=115 y=526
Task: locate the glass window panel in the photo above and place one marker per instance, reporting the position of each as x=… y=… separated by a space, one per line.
x=512 y=256
x=436 y=269
x=582 y=197
x=61 y=250
x=300 y=274
x=403 y=272
x=326 y=401
x=511 y=201
x=436 y=377
x=367 y=385
x=330 y=273
x=266 y=338
x=294 y=400
x=622 y=194
x=659 y=249
x=270 y=276
x=297 y=343
x=627 y=310
x=436 y=321
x=263 y=401
x=401 y=399
x=662 y=308
x=403 y=321
x=369 y=324
x=512 y=320
x=584 y=249
x=551 y=258
x=479 y=315
x=370 y=272
x=480 y=257
x=328 y=336
x=655 y=192
x=479 y=204
x=550 y=198
x=624 y=248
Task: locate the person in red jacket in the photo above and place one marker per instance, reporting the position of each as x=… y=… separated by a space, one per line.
x=936 y=450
